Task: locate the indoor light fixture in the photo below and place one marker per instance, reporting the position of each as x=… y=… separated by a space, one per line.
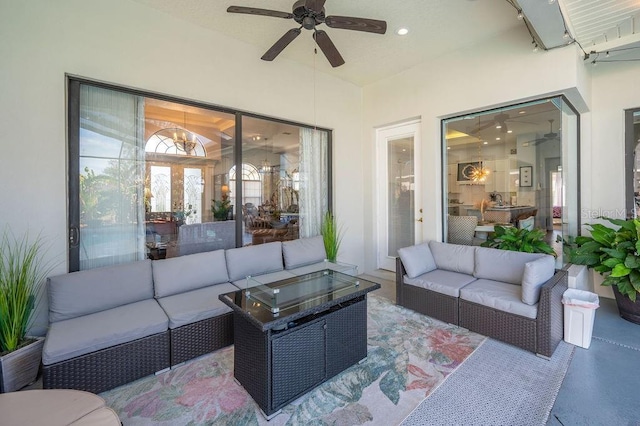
x=265 y=167
x=520 y=14
x=186 y=141
x=402 y=31
x=479 y=173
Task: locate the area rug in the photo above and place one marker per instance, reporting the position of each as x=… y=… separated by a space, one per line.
x=499 y=384
x=409 y=355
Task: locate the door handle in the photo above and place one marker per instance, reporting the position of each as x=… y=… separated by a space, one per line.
x=419 y=220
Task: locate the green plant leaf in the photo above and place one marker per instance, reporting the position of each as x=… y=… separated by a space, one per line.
x=602 y=234
x=620 y=270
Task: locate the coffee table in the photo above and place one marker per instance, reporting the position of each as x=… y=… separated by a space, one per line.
x=292 y=335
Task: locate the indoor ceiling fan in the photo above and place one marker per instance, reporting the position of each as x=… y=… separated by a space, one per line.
x=309 y=14
x=547 y=136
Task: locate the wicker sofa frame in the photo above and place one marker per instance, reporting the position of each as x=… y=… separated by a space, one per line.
x=110 y=367
x=200 y=338
x=541 y=335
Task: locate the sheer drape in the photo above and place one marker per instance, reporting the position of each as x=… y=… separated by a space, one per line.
x=314 y=180
x=111 y=177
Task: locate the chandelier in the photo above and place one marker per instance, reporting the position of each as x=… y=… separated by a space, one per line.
x=184 y=141
x=478 y=173
x=265 y=167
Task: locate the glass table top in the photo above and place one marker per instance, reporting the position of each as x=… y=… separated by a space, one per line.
x=268 y=302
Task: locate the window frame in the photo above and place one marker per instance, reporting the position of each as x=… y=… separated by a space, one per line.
x=73 y=83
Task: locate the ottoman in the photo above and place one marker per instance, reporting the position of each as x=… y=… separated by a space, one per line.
x=55 y=407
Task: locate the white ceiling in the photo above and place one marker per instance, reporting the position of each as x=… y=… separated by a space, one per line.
x=436 y=27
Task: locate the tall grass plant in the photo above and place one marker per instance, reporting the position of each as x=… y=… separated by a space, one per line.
x=22 y=276
x=331 y=235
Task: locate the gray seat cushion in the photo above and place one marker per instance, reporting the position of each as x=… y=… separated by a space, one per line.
x=502 y=265
x=196 y=305
x=444 y=282
x=82 y=335
x=453 y=257
x=320 y=266
x=498 y=295
x=417 y=259
x=303 y=251
x=186 y=273
x=254 y=260
x=87 y=292
x=263 y=279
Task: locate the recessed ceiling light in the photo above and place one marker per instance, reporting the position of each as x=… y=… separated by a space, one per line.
x=497 y=139
x=509 y=131
x=485 y=143
x=522 y=112
x=402 y=31
x=448 y=147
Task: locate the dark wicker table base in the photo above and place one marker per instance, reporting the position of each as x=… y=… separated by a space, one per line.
x=276 y=367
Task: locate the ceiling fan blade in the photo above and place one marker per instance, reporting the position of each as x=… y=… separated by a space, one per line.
x=315 y=5
x=261 y=12
x=279 y=45
x=328 y=48
x=357 y=24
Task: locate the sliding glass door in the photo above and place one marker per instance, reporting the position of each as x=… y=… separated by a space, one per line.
x=157 y=178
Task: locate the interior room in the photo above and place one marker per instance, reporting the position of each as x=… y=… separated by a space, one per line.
x=151 y=130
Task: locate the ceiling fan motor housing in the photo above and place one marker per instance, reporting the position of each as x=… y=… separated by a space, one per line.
x=306 y=17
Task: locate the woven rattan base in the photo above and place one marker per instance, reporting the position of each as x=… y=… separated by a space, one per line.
x=430 y=303
x=276 y=367
x=111 y=367
x=193 y=340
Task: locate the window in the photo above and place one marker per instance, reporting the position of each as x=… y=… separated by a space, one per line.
x=506 y=165
x=150 y=177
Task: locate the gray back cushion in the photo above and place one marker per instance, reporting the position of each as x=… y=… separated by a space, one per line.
x=86 y=292
x=302 y=252
x=453 y=257
x=536 y=273
x=190 y=272
x=254 y=260
x=417 y=259
x=502 y=265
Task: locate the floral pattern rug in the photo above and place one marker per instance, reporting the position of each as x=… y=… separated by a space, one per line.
x=409 y=356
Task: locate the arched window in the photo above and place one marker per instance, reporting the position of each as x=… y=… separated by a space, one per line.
x=251 y=184
x=163 y=142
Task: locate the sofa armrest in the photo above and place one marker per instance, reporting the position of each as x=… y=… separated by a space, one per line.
x=549 y=324
x=400 y=273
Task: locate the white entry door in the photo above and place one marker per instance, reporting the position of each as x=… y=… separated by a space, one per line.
x=399 y=213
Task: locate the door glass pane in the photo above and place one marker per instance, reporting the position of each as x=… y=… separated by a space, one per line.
x=285 y=181
x=520 y=162
x=193 y=187
x=401 y=185
x=111 y=175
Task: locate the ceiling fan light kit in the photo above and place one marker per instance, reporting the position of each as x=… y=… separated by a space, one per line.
x=309 y=14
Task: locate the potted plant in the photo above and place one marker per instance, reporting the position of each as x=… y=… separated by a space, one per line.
x=515 y=239
x=331 y=235
x=615 y=254
x=221 y=208
x=22 y=276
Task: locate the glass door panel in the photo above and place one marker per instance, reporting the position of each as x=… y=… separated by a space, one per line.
x=397 y=192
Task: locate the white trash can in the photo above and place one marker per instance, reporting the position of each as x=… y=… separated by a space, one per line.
x=579 y=314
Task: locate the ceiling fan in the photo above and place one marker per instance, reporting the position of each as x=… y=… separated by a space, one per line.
x=309 y=14
x=547 y=136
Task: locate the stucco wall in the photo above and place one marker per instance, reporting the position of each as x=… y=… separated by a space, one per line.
x=125 y=43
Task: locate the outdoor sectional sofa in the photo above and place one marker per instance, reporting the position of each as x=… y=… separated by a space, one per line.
x=112 y=325
x=510 y=296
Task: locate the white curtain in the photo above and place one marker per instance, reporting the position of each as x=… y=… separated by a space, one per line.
x=314 y=180
x=111 y=177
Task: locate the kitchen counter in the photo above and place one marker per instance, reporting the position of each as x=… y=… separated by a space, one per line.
x=507 y=214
